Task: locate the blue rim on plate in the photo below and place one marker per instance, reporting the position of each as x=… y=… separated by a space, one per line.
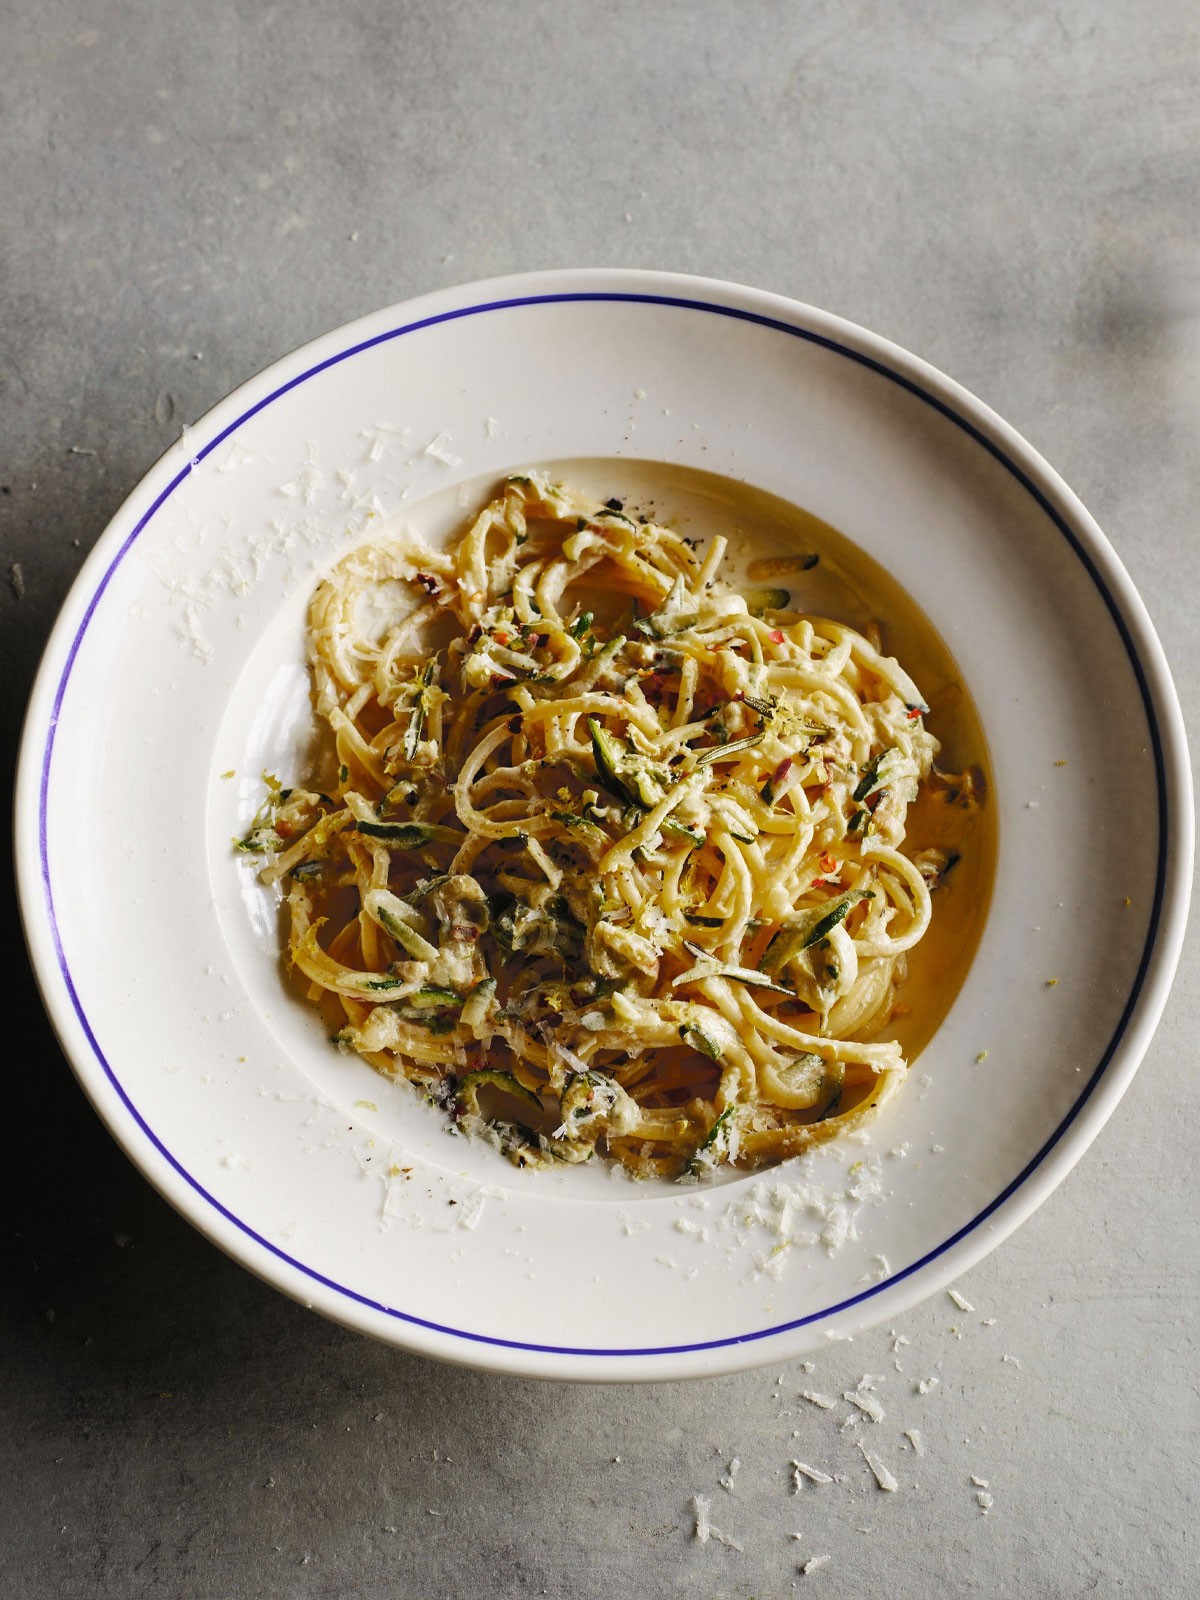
x=1173 y=828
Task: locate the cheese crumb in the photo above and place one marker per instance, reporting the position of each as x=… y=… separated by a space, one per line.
x=684 y=1225
x=883 y=1477
x=924 y=1385
x=437 y=449
x=960 y=1301
x=866 y=1403
x=703 y=1530
x=980 y=1483
x=813 y=1563
x=822 y=1400
x=913 y=1435
x=984 y=1500
x=813 y=1474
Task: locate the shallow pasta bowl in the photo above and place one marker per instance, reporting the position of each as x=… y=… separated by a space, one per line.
x=176 y=673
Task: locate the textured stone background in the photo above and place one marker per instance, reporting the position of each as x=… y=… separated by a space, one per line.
x=187 y=193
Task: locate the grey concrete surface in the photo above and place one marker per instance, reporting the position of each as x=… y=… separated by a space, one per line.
x=1011 y=190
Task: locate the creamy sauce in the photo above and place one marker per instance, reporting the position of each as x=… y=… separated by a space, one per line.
x=772 y=541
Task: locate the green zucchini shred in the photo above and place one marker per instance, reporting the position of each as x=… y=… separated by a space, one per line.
x=872 y=774
x=760 y=600
x=689 y=1031
x=718 y=1132
x=718 y=752
x=411 y=835
x=808 y=928
x=621 y=770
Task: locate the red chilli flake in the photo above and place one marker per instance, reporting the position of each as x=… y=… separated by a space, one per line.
x=776 y=635
x=500 y=638
x=828 y=862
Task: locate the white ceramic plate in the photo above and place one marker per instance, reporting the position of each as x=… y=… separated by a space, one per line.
x=177 y=659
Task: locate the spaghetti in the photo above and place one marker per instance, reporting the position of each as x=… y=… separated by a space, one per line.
x=610 y=857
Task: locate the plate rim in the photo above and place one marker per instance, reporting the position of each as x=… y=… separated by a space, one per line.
x=900 y=1290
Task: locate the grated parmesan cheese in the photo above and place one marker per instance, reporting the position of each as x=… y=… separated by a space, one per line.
x=803 y=1211
x=703 y=1529
x=801 y=1469
x=960 y=1301
x=438 y=451
x=471 y=1213
x=628 y=1226
x=822 y=1400
x=238 y=456
x=813 y=1563
x=377 y=439
x=913 y=1435
x=866 y=1403
x=684 y=1225
x=883 y=1477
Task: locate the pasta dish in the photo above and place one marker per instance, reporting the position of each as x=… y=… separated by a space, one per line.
x=608 y=856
